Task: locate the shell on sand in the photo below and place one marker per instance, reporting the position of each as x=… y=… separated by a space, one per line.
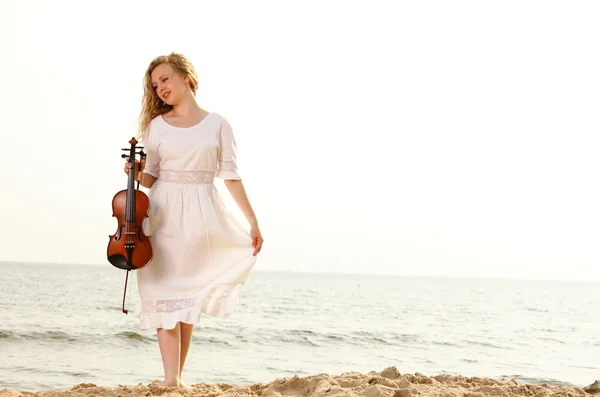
x=386 y=383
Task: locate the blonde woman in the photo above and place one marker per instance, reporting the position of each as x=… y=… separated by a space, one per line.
x=202 y=255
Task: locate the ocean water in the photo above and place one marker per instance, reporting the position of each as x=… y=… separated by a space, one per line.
x=62 y=324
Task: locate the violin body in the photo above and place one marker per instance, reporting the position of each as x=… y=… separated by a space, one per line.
x=129 y=248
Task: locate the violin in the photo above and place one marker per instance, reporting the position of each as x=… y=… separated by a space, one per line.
x=129 y=248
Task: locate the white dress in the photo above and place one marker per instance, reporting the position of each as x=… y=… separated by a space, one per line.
x=201 y=254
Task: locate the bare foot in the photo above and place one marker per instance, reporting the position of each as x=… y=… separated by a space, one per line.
x=170 y=383
x=183 y=385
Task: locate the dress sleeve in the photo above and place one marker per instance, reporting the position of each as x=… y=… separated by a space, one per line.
x=227 y=164
x=152 y=157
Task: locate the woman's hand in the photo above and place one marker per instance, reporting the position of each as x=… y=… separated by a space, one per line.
x=257 y=239
x=238 y=192
x=136 y=174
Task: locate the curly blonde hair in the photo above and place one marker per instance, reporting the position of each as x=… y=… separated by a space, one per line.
x=152 y=105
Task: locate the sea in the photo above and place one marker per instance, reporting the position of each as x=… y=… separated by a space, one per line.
x=62 y=324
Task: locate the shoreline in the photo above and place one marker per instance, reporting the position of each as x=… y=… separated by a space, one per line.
x=386 y=383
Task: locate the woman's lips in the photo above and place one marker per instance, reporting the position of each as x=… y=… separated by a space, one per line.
x=166 y=95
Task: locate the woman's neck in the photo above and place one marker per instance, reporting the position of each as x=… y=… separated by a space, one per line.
x=187 y=107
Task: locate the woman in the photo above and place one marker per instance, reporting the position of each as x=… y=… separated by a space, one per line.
x=201 y=254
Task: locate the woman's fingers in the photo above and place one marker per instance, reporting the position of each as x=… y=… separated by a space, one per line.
x=257 y=244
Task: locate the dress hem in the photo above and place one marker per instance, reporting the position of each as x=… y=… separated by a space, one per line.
x=220 y=302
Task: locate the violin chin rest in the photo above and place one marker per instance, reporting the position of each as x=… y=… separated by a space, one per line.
x=120 y=262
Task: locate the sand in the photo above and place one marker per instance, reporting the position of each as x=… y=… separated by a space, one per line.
x=387 y=383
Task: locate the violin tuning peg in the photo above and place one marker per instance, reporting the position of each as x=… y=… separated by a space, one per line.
x=123 y=156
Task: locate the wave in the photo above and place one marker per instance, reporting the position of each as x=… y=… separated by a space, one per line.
x=61 y=336
x=47 y=371
x=212 y=340
x=482 y=344
x=534 y=380
x=135 y=336
x=308 y=337
x=39 y=335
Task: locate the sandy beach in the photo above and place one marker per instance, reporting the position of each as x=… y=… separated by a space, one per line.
x=386 y=383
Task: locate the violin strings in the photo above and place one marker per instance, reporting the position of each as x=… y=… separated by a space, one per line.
x=129 y=205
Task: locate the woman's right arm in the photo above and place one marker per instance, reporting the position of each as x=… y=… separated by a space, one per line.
x=145 y=179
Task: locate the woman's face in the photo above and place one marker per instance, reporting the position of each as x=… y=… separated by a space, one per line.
x=169 y=86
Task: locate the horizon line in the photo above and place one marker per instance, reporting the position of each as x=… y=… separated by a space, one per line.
x=406 y=275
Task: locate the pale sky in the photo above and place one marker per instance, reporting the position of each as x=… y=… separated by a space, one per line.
x=449 y=138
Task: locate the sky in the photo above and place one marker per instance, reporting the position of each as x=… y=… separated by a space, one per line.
x=434 y=138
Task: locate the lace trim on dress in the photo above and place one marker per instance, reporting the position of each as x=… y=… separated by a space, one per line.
x=168 y=306
x=196 y=176
x=216 y=296
x=227 y=165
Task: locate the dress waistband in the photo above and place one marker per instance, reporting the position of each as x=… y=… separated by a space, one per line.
x=188 y=177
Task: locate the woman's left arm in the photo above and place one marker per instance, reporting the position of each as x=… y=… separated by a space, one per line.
x=238 y=192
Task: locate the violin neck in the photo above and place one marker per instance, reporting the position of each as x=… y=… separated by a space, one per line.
x=130 y=210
